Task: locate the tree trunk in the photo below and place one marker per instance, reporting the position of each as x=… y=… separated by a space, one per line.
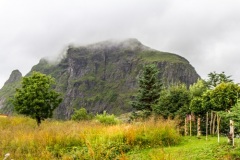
x=218 y=126
x=198 y=126
x=231 y=133
x=211 y=120
x=214 y=124
x=206 y=125
x=185 y=127
x=38 y=119
x=190 y=125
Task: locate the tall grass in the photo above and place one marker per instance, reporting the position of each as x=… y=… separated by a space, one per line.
x=84 y=140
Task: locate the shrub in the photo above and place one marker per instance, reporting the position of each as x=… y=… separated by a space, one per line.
x=80 y=115
x=107 y=118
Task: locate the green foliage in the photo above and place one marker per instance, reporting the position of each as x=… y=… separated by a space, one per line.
x=234 y=114
x=217 y=78
x=196 y=106
x=80 y=115
x=173 y=102
x=143 y=114
x=224 y=96
x=36 y=98
x=197 y=90
x=149 y=90
x=107 y=119
x=206 y=100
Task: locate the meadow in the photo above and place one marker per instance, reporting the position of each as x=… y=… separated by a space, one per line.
x=23 y=139
x=159 y=139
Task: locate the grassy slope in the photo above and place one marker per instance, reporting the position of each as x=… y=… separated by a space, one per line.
x=192 y=149
x=157 y=56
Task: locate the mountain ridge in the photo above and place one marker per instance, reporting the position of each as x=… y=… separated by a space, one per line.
x=103 y=76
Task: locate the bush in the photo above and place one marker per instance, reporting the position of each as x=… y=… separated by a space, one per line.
x=81 y=115
x=107 y=118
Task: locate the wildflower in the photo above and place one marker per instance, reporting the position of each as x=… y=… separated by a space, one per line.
x=6 y=156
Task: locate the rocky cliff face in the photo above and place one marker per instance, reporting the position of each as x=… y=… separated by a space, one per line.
x=103 y=76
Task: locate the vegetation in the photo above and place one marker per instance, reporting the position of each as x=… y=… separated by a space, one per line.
x=149 y=90
x=224 y=96
x=173 y=102
x=36 y=98
x=215 y=79
x=149 y=140
x=156 y=56
x=196 y=104
x=191 y=148
x=105 y=137
x=182 y=109
x=81 y=115
x=22 y=139
x=107 y=118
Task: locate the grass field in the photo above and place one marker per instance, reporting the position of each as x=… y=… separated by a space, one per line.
x=20 y=138
x=192 y=148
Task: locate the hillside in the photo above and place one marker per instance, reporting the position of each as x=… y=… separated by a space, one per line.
x=103 y=76
x=8 y=90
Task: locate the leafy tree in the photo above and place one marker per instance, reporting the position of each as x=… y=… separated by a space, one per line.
x=173 y=102
x=217 y=78
x=149 y=90
x=206 y=100
x=196 y=105
x=235 y=116
x=36 y=98
x=197 y=91
x=223 y=98
x=198 y=88
x=214 y=80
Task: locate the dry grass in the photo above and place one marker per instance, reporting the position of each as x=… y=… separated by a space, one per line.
x=84 y=140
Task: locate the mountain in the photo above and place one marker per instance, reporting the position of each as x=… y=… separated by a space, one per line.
x=8 y=90
x=103 y=76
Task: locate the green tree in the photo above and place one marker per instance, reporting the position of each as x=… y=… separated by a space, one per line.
x=198 y=88
x=36 y=98
x=235 y=116
x=223 y=97
x=149 y=90
x=174 y=101
x=215 y=79
x=206 y=100
x=196 y=105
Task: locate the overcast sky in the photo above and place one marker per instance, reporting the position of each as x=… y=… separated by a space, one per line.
x=205 y=32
